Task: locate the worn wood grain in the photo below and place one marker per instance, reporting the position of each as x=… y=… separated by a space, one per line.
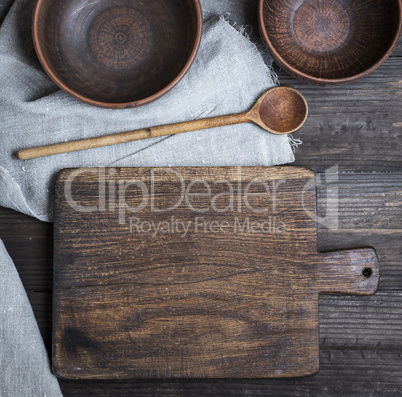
x=370 y=323
x=360 y=353
x=344 y=319
x=362 y=323
x=368 y=210
x=202 y=304
x=356 y=127
x=30 y=244
x=369 y=215
x=343 y=372
x=353 y=370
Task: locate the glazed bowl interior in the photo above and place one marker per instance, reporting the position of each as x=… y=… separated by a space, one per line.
x=330 y=41
x=117 y=53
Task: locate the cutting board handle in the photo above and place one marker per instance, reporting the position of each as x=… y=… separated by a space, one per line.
x=349 y=272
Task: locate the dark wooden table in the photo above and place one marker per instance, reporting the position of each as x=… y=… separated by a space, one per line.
x=352 y=139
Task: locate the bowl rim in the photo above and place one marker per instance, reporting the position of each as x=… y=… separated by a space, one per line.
x=118 y=105
x=321 y=80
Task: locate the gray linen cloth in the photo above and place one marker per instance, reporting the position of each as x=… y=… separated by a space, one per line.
x=24 y=361
x=228 y=75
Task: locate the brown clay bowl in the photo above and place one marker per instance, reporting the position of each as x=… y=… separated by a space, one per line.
x=117 y=53
x=330 y=41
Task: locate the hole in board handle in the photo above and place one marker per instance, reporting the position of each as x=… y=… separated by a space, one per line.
x=367 y=272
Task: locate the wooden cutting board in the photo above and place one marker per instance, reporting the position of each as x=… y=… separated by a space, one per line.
x=192 y=272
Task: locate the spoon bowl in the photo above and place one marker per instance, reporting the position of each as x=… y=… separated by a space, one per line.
x=281 y=110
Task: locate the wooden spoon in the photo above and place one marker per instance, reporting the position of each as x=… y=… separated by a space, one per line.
x=281 y=110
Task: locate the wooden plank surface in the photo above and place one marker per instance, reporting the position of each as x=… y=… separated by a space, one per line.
x=354 y=366
x=370 y=367
x=360 y=354
x=369 y=323
x=364 y=331
x=354 y=126
x=369 y=211
x=240 y=302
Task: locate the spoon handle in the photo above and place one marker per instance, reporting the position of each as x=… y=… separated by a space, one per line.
x=130 y=136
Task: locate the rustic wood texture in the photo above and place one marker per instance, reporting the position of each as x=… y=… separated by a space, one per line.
x=327 y=41
x=96 y=53
x=281 y=110
x=239 y=302
x=360 y=354
x=359 y=336
x=350 y=127
x=355 y=127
